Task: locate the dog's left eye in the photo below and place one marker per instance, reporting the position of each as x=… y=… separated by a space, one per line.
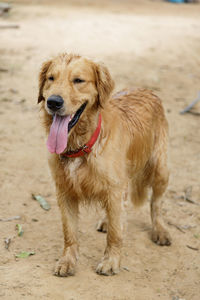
x=51 y=78
x=78 y=80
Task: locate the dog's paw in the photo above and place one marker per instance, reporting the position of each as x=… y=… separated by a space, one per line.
x=102 y=226
x=161 y=237
x=65 y=266
x=109 y=266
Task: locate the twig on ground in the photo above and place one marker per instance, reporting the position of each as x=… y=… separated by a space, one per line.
x=7 y=243
x=10 y=219
x=188 y=108
x=3 y=70
x=188 y=195
x=191 y=201
x=195 y=113
x=177 y=226
x=193 y=248
x=126 y=269
x=188 y=192
x=10 y=26
x=188 y=226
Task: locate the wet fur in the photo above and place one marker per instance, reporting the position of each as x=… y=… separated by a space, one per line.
x=129 y=157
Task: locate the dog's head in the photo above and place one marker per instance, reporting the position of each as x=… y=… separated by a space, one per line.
x=70 y=85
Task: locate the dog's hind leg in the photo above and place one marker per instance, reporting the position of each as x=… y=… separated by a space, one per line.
x=159 y=185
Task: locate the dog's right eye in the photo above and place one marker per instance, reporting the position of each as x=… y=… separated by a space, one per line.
x=51 y=78
x=78 y=80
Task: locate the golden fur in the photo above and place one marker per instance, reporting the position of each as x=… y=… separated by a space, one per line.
x=129 y=156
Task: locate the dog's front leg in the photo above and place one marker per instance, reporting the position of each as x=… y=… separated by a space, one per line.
x=69 y=213
x=110 y=263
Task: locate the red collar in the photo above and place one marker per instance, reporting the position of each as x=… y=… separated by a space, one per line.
x=87 y=148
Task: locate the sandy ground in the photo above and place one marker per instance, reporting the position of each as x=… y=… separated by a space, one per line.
x=144 y=43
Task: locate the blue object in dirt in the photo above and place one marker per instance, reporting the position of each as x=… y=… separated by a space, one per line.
x=177 y=1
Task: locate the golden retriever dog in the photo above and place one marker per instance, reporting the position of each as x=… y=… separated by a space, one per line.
x=103 y=149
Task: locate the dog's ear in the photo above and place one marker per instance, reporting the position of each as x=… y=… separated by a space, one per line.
x=104 y=83
x=42 y=79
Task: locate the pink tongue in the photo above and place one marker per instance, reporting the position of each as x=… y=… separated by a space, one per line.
x=57 y=140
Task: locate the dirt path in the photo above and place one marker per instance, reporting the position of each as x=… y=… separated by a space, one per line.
x=146 y=44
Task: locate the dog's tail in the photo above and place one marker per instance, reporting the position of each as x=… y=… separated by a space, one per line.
x=139 y=194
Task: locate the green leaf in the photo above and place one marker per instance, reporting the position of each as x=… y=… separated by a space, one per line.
x=24 y=254
x=196 y=235
x=19 y=229
x=43 y=203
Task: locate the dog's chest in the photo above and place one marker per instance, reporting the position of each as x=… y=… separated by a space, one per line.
x=73 y=167
x=83 y=179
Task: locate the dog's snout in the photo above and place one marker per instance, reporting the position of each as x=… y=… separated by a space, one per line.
x=55 y=102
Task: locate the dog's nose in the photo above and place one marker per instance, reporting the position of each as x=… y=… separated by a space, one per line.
x=55 y=102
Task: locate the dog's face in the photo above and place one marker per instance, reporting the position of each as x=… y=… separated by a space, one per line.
x=70 y=85
x=68 y=81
